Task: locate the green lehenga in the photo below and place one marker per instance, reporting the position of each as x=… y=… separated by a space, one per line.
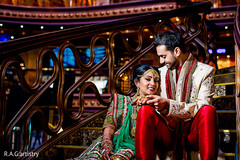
x=120 y=117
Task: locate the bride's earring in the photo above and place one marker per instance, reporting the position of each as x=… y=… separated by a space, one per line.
x=138 y=91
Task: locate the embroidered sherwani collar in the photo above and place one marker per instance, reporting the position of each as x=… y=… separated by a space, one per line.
x=180 y=90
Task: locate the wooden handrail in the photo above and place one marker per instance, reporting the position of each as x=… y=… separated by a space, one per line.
x=81 y=15
x=13 y=47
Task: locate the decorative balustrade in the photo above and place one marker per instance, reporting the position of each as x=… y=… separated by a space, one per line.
x=112 y=36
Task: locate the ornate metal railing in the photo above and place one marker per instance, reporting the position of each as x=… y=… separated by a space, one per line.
x=18 y=56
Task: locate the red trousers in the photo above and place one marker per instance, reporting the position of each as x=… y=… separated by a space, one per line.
x=152 y=132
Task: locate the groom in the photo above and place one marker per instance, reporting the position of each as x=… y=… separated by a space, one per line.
x=181 y=118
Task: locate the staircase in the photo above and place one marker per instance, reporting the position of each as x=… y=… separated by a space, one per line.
x=225 y=104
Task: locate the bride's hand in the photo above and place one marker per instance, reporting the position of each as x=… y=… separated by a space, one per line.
x=106 y=154
x=138 y=100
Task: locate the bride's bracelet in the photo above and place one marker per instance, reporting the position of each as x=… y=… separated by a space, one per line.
x=107 y=144
x=106 y=150
x=106 y=139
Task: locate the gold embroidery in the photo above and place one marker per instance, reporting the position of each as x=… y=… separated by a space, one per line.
x=138 y=107
x=134 y=116
x=133 y=131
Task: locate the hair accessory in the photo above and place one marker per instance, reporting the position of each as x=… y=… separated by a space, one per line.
x=154 y=72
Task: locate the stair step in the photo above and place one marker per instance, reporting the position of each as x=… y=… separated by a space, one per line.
x=227 y=77
x=71 y=146
x=229 y=154
x=225 y=70
x=67 y=152
x=228 y=130
x=229 y=96
x=224 y=74
x=91 y=128
x=226 y=111
x=225 y=84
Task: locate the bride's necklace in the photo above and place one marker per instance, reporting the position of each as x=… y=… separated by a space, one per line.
x=135 y=110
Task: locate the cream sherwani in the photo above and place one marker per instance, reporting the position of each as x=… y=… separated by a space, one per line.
x=199 y=92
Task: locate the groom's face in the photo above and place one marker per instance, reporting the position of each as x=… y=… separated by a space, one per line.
x=166 y=57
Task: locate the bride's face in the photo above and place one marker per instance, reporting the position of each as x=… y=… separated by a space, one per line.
x=148 y=84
